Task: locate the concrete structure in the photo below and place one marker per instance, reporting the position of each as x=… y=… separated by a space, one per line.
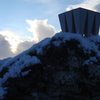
x=80 y=21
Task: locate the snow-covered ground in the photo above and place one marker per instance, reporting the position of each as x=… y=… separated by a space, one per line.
x=19 y=62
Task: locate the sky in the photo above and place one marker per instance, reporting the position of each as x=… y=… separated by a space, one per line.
x=26 y=22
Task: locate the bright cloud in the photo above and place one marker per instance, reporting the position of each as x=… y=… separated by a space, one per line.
x=12 y=44
x=89 y=4
x=40 y=29
x=11 y=38
x=15 y=40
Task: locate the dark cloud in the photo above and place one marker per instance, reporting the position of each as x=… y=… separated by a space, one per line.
x=5 y=50
x=22 y=46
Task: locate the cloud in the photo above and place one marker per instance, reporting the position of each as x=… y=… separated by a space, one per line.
x=40 y=29
x=89 y=4
x=97 y=7
x=5 y=50
x=22 y=46
x=12 y=38
x=12 y=44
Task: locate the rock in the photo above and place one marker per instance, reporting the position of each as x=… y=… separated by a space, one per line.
x=66 y=71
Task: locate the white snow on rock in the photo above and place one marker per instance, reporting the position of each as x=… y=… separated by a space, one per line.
x=2 y=92
x=15 y=69
x=38 y=47
x=25 y=73
x=3 y=61
x=90 y=61
x=86 y=43
x=16 y=64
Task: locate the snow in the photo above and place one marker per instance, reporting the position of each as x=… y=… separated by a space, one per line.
x=26 y=72
x=3 y=61
x=15 y=69
x=57 y=43
x=90 y=61
x=38 y=47
x=86 y=43
x=19 y=62
x=17 y=66
x=2 y=92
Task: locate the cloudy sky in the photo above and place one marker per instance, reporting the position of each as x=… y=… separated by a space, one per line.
x=26 y=22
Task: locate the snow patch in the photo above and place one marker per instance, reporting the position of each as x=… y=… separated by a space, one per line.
x=90 y=61
x=19 y=62
x=85 y=43
x=26 y=72
x=2 y=92
x=14 y=70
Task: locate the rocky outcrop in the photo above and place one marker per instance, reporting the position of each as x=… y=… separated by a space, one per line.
x=68 y=70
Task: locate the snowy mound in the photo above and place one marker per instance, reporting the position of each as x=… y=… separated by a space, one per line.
x=68 y=61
